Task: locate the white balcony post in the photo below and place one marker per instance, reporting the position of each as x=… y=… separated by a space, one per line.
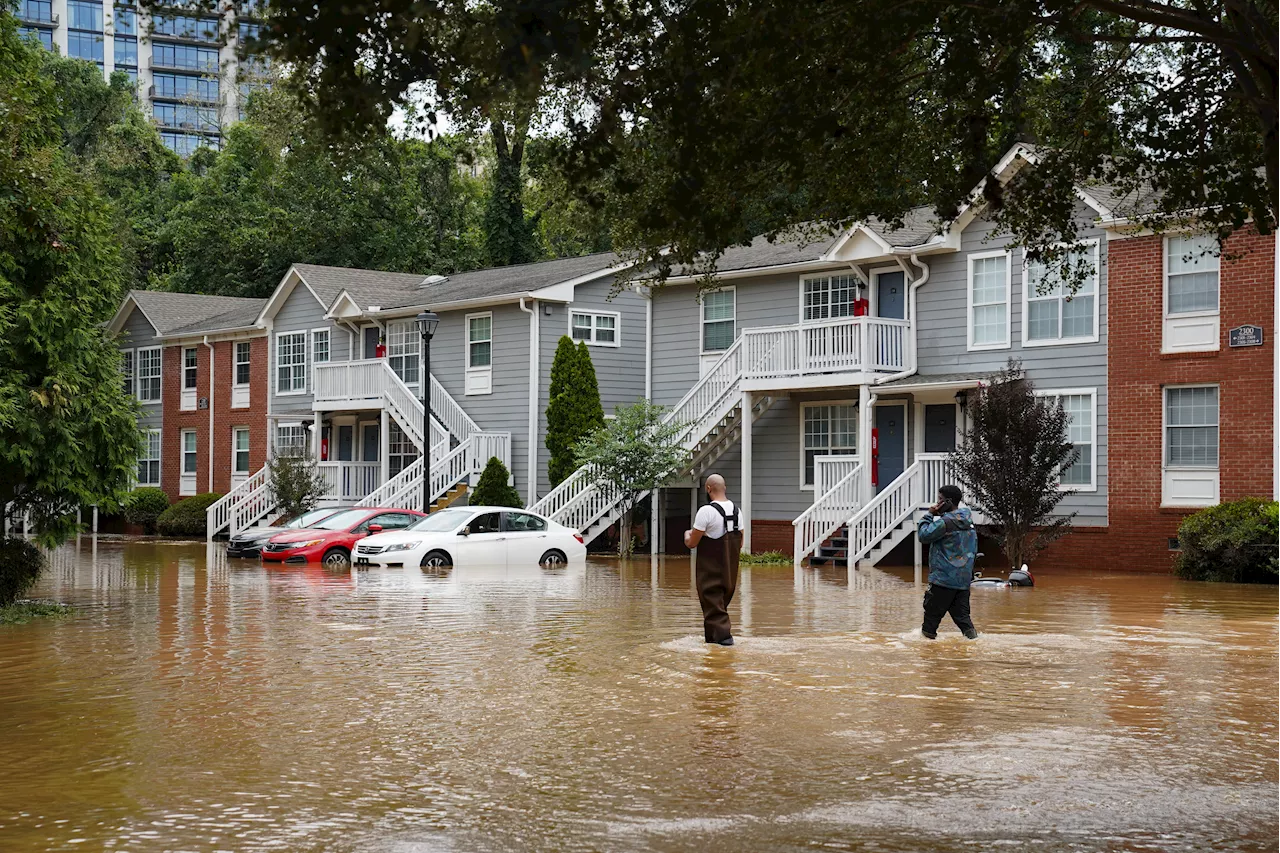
x=864 y=438
x=865 y=355
x=745 y=497
x=384 y=450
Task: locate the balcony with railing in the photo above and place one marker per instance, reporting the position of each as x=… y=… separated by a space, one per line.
x=851 y=350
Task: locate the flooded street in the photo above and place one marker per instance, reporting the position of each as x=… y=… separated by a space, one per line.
x=196 y=703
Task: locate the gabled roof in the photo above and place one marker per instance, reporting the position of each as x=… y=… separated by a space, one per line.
x=188 y=313
x=327 y=282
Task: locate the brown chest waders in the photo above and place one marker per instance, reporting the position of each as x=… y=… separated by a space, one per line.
x=717 y=575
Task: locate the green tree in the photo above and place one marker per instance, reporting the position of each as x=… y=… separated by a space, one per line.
x=631 y=456
x=1011 y=461
x=296 y=482
x=573 y=407
x=68 y=434
x=508 y=232
x=494 y=487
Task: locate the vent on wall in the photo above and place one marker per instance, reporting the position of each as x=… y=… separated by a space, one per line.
x=1173 y=544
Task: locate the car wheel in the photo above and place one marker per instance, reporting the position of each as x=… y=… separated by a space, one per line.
x=336 y=557
x=437 y=560
x=553 y=559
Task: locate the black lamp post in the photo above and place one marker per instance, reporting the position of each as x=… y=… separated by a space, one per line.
x=427 y=322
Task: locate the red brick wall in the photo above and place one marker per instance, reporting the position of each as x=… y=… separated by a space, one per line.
x=769 y=535
x=224 y=417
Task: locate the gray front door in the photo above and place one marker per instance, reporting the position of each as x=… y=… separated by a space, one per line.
x=346 y=442
x=370 y=341
x=369 y=443
x=940 y=428
x=891 y=295
x=891 y=428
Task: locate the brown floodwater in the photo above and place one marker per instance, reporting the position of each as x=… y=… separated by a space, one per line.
x=195 y=703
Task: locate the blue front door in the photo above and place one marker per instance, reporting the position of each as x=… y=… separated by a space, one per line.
x=891 y=298
x=891 y=428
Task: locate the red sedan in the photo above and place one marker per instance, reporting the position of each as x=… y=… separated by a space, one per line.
x=330 y=541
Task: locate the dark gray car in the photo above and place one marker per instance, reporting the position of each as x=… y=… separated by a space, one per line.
x=248 y=543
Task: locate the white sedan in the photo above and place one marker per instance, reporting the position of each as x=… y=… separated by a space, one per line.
x=474 y=536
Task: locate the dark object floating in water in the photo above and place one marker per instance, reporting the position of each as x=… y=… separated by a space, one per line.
x=1017 y=577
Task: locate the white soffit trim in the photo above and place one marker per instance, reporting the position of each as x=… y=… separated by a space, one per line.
x=344 y=307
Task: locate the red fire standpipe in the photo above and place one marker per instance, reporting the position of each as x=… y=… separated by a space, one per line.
x=875 y=457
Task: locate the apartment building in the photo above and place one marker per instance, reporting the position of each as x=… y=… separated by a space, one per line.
x=193 y=69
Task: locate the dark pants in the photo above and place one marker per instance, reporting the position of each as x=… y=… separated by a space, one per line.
x=717 y=578
x=941 y=600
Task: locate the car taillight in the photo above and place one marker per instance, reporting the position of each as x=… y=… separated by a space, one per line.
x=578 y=536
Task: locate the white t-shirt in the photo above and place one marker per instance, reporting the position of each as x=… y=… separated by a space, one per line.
x=709 y=521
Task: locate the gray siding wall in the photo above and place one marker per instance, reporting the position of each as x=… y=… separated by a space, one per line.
x=137 y=333
x=302 y=312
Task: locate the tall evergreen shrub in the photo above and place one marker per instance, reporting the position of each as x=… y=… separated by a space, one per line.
x=574 y=409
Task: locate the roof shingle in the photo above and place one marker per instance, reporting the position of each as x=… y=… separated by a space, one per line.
x=181 y=313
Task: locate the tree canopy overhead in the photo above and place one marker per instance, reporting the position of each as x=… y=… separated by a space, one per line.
x=712 y=121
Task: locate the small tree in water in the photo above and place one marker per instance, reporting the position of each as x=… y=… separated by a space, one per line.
x=1010 y=464
x=296 y=482
x=631 y=455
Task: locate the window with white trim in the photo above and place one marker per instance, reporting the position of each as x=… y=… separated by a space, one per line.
x=1054 y=313
x=989 y=300
x=400 y=450
x=242 y=367
x=827 y=429
x=1082 y=428
x=1191 y=427
x=189 y=459
x=291 y=363
x=126 y=370
x=403 y=345
x=1191 y=267
x=719 y=313
x=149 y=461
x=149 y=375
x=240 y=451
x=829 y=297
x=480 y=340
x=597 y=329
x=291 y=440
x=190 y=369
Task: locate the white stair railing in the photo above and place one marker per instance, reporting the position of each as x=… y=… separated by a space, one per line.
x=828 y=514
x=884 y=512
x=253 y=506
x=447 y=410
x=485 y=446
x=219 y=513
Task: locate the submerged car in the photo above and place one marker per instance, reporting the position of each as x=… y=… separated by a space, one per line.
x=475 y=536
x=330 y=541
x=248 y=543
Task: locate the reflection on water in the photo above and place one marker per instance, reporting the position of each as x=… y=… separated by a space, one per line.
x=198 y=704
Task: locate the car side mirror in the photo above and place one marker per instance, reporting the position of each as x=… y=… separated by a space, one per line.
x=375 y=528
x=466 y=531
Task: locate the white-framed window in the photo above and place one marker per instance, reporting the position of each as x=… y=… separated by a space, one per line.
x=291 y=363
x=719 y=315
x=828 y=297
x=1191 y=475
x=291 y=439
x=597 y=328
x=149 y=461
x=240 y=451
x=1191 y=285
x=826 y=429
x=479 y=373
x=400 y=450
x=243 y=358
x=190 y=369
x=1081 y=406
x=190 y=463
x=403 y=345
x=126 y=370
x=319 y=350
x=1051 y=313
x=988 y=290
x=148 y=370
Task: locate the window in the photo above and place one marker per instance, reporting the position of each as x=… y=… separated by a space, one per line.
x=185 y=144
x=1080 y=406
x=148 y=369
x=400 y=450
x=595 y=329
x=1052 y=313
x=189 y=462
x=1191 y=427
x=240 y=451
x=125 y=22
x=183 y=87
x=36 y=10
x=190 y=369
x=126 y=52
x=718 y=310
x=84 y=16
x=45 y=37
x=989 y=300
x=249 y=32
x=149 y=461
x=184 y=56
x=827 y=430
x=85 y=46
x=187 y=27
x=291 y=440
x=204 y=119
x=1191 y=264
x=126 y=368
x=403 y=343
x=829 y=297
x=291 y=363
x=480 y=340
x=523 y=522
x=243 y=355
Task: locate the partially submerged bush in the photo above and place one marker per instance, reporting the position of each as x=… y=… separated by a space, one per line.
x=144 y=506
x=20 y=564
x=494 y=487
x=186 y=517
x=765 y=558
x=1233 y=542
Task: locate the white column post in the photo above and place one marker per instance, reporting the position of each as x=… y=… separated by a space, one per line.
x=384 y=433
x=864 y=440
x=655 y=497
x=745 y=497
x=95 y=519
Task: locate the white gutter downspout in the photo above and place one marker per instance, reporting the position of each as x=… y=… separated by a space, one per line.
x=648 y=349
x=531 y=491
x=915 y=322
x=212 y=361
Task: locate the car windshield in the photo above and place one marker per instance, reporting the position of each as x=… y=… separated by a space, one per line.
x=442 y=521
x=342 y=520
x=310 y=517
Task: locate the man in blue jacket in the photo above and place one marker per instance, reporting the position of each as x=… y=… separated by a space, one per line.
x=953 y=543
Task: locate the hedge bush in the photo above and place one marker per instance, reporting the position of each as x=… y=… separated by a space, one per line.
x=1232 y=542
x=20 y=564
x=186 y=517
x=144 y=506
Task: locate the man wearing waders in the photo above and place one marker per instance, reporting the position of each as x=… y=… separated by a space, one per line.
x=717 y=534
x=953 y=543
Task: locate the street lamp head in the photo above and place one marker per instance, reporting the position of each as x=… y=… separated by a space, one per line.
x=427 y=322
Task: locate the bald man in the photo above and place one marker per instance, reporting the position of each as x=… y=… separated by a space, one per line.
x=717 y=534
